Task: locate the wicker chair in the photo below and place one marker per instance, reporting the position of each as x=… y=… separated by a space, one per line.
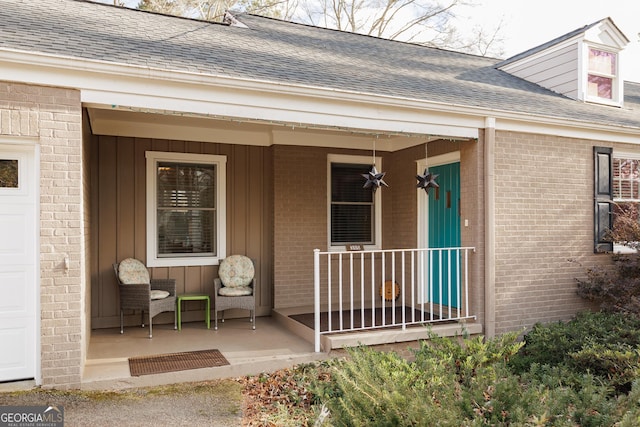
x=139 y=292
x=235 y=288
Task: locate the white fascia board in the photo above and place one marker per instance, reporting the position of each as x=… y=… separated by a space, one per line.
x=563 y=128
x=117 y=86
x=275 y=108
x=107 y=85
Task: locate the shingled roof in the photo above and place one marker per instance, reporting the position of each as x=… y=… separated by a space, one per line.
x=271 y=50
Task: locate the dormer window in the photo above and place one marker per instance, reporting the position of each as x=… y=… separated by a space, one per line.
x=584 y=64
x=602 y=75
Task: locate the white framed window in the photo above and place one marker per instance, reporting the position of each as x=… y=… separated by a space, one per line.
x=13 y=169
x=9 y=177
x=602 y=76
x=626 y=190
x=354 y=212
x=626 y=177
x=186 y=212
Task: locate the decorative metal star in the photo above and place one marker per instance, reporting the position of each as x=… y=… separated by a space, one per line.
x=427 y=180
x=374 y=179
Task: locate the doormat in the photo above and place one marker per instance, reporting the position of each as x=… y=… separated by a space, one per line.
x=307 y=319
x=171 y=362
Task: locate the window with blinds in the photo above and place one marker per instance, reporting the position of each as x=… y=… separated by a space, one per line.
x=625 y=192
x=626 y=179
x=186 y=209
x=352 y=206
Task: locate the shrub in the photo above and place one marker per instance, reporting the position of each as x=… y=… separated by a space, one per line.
x=448 y=382
x=374 y=388
x=600 y=343
x=466 y=360
x=616 y=289
x=469 y=382
x=618 y=366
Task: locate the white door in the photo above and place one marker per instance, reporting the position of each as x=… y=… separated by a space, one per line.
x=18 y=262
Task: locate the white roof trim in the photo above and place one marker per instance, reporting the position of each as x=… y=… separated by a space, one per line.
x=109 y=85
x=112 y=85
x=606 y=27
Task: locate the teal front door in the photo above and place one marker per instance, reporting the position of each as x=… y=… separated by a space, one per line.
x=444 y=232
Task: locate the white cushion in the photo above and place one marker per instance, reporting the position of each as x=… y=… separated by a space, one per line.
x=237 y=291
x=236 y=271
x=133 y=272
x=159 y=294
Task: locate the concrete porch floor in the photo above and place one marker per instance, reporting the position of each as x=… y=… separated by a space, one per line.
x=269 y=347
x=277 y=342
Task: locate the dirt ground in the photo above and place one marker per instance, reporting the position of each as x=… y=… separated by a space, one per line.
x=210 y=403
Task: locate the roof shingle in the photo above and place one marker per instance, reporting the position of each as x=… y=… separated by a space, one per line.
x=282 y=52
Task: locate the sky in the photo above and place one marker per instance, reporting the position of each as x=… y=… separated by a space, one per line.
x=529 y=23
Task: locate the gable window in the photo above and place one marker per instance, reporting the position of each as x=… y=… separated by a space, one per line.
x=602 y=75
x=185 y=209
x=354 y=211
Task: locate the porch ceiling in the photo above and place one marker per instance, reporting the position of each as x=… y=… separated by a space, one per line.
x=119 y=121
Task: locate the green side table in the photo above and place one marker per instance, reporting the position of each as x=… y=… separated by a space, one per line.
x=194 y=297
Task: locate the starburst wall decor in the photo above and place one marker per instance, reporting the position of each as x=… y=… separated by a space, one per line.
x=374 y=179
x=427 y=180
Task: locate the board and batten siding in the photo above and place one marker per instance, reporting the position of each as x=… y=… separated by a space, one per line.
x=556 y=70
x=118 y=218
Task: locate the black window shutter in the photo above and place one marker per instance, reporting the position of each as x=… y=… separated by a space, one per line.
x=603 y=197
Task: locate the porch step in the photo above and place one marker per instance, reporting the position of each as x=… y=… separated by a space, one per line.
x=371 y=337
x=113 y=374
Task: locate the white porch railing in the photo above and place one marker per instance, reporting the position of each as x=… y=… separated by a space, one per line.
x=432 y=285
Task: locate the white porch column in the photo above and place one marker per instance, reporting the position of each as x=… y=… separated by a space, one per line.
x=490 y=232
x=316 y=299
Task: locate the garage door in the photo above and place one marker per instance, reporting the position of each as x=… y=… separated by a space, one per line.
x=18 y=262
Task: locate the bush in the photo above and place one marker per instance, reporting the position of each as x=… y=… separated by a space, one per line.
x=469 y=382
x=619 y=366
x=374 y=388
x=616 y=289
x=467 y=360
x=447 y=383
x=600 y=343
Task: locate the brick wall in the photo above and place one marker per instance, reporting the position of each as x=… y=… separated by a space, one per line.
x=300 y=206
x=300 y=223
x=544 y=221
x=54 y=116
